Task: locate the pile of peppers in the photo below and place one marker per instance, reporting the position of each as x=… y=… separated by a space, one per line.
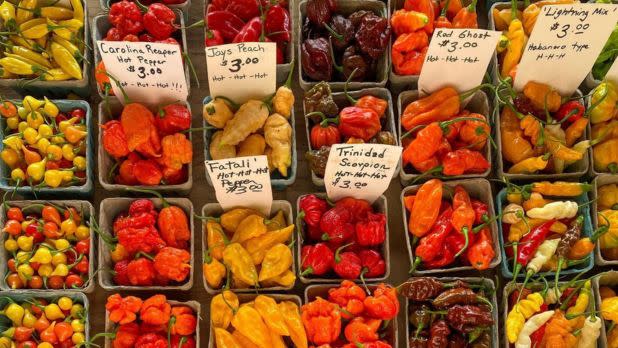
x=50 y=245
x=609 y=311
x=344 y=241
x=362 y=120
x=149 y=246
x=443 y=231
x=131 y=21
x=414 y=24
x=604 y=121
x=150 y=149
x=560 y=316
x=245 y=250
x=607 y=215
x=441 y=314
x=333 y=46
x=263 y=322
x=442 y=137
x=233 y=21
x=351 y=316
x=44 y=147
x=41 y=323
x=544 y=229
x=153 y=322
x=541 y=132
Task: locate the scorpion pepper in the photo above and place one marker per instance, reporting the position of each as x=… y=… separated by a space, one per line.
x=337 y=225
x=177 y=151
x=144 y=239
x=408 y=53
x=173 y=263
x=322 y=321
x=123 y=310
x=357 y=122
x=426 y=207
x=222 y=309
x=362 y=330
x=383 y=304
x=151 y=340
x=372 y=231
x=126 y=335
x=349 y=297
x=463 y=215
x=159 y=21
x=438 y=106
x=127 y=16
x=463 y=161
x=372 y=262
x=319 y=98
x=311 y=208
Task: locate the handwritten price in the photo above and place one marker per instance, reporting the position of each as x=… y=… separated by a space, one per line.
x=345 y=184
x=452 y=46
x=142 y=72
x=564 y=29
x=242 y=187
x=236 y=64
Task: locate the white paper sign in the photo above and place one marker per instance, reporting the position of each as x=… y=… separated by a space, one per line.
x=242 y=182
x=362 y=171
x=564 y=44
x=151 y=73
x=242 y=71
x=457 y=58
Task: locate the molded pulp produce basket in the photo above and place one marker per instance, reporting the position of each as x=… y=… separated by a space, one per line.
x=195 y=305
x=84 y=206
x=379 y=206
x=477 y=104
x=282 y=69
x=277 y=181
x=342 y=101
x=489 y=284
x=592 y=170
x=596 y=183
x=84 y=190
x=477 y=188
x=609 y=278
x=101 y=25
x=106 y=162
x=215 y=210
x=507 y=264
x=113 y=207
x=346 y=7
x=244 y=298
x=58 y=89
x=313 y=291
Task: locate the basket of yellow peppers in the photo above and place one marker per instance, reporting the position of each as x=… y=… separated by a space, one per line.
x=605 y=288
x=604 y=128
x=245 y=250
x=605 y=216
x=46 y=147
x=45 y=46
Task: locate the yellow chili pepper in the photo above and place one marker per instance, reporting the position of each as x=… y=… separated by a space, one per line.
x=53 y=178
x=10 y=157
x=250 y=227
x=607 y=196
x=74 y=134
x=29 y=44
x=75 y=51
x=65 y=59
x=543 y=96
x=530 y=165
x=249 y=322
x=69 y=28
x=521 y=311
x=7 y=13
x=517 y=40
x=214 y=271
x=13 y=142
x=78 y=9
x=603 y=102
x=56 y=75
x=55 y=12
x=605 y=155
x=15 y=313
x=215 y=239
x=223 y=307
x=270 y=312
x=580 y=306
x=285 y=279
x=36 y=170
x=257 y=247
x=291 y=314
x=42 y=255
x=609 y=217
x=231 y=218
x=224 y=339
x=240 y=263
x=37 y=31
x=25 y=10
x=277 y=260
x=31 y=55
x=19 y=67
x=53 y=312
x=561 y=188
x=25 y=243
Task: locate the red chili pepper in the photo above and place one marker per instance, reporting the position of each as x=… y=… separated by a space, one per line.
x=245 y=9
x=463 y=215
x=324 y=134
x=422 y=6
x=359 y=208
x=213 y=37
x=174 y=226
x=463 y=161
x=159 y=21
x=482 y=251
x=431 y=244
x=114 y=139
x=362 y=330
x=446 y=255
x=337 y=226
x=126 y=335
x=130 y=38
x=347 y=264
x=311 y=208
x=316 y=259
x=361 y=123
x=383 y=304
x=126 y=17
x=156 y=310
x=173 y=118
x=225 y=22
x=443 y=21
x=125 y=171
x=145 y=37
x=83 y=247
x=185 y=321
x=146 y=240
x=140 y=272
x=121 y=277
x=278 y=25
x=537 y=336
x=113 y=34
x=372 y=231
x=373 y=263
x=173 y=263
x=82 y=266
x=529 y=243
x=187 y=342
x=135 y=221
x=481 y=211
x=173 y=176
x=466 y=17
x=151 y=340
x=424 y=146
x=250 y=32
x=573 y=110
x=349 y=297
x=142 y=205
x=147 y=172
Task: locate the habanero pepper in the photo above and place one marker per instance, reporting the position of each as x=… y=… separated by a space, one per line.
x=372 y=262
x=316 y=259
x=324 y=134
x=359 y=208
x=173 y=225
x=357 y=122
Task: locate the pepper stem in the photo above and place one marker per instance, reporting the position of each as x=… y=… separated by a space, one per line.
x=338 y=251
x=472 y=6
x=523 y=285
x=431 y=171
x=567 y=300
x=557 y=275
x=415 y=264
x=445 y=8
x=362 y=278
x=333 y=32
x=465 y=232
x=332 y=57
x=472 y=91
x=124 y=93
x=345 y=87
x=288 y=81
x=153 y=192
x=513 y=10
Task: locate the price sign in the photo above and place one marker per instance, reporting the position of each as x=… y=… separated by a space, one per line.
x=150 y=73
x=362 y=171
x=242 y=71
x=457 y=58
x=564 y=44
x=242 y=182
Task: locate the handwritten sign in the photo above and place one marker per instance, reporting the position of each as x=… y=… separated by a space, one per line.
x=457 y=58
x=150 y=73
x=565 y=42
x=242 y=71
x=242 y=182
x=362 y=171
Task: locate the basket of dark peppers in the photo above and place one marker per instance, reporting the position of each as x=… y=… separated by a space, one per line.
x=340 y=36
x=451 y=312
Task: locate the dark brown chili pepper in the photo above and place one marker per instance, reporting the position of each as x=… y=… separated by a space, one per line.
x=464 y=296
x=570 y=237
x=383 y=137
x=320 y=98
x=439 y=334
x=373 y=35
x=484 y=341
x=343 y=27
x=426 y=288
x=316 y=59
x=456 y=340
x=353 y=60
x=317 y=160
x=417 y=342
x=419 y=316
x=465 y=318
x=356 y=17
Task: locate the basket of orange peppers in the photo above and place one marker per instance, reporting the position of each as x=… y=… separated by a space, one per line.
x=444 y=134
x=413 y=23
x=145 y=147
x=152 y=322
x=450 y=226
x=146 y=243
x=48 y=245
x=349 y=315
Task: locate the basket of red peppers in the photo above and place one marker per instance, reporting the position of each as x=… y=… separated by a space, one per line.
x=146 y=244
x=182 y=5
x=413 y=23
x=133 y=22
x=347 y=239
x=131 y=321
x=48 y=245
x=443 y=136
x=236 y=21
x=349 y=315
x=451 y=312
x=357 y=117
x=142 y=147
x=338 y=37
x=450 y=226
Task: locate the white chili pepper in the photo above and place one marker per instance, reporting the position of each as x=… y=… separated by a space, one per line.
x=554 y=210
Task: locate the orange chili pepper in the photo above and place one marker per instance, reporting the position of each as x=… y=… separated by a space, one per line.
x=452 y=8
x=423 y=6
x=403 y=21
x=466 y=17
x=408 y=53
x=438 y=106
x=426 y=207
x=123 y=310
x=475 y=132
x=463 y=215
x=575 y=131
x=424 y=146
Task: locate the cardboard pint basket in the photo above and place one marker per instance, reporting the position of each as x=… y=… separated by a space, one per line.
x=379 y=206
x=388 y=123
x=610 y=279
x=80 y=206
x=113 y=207
x=477 y=188
x=599 y=181
x=215 y=210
